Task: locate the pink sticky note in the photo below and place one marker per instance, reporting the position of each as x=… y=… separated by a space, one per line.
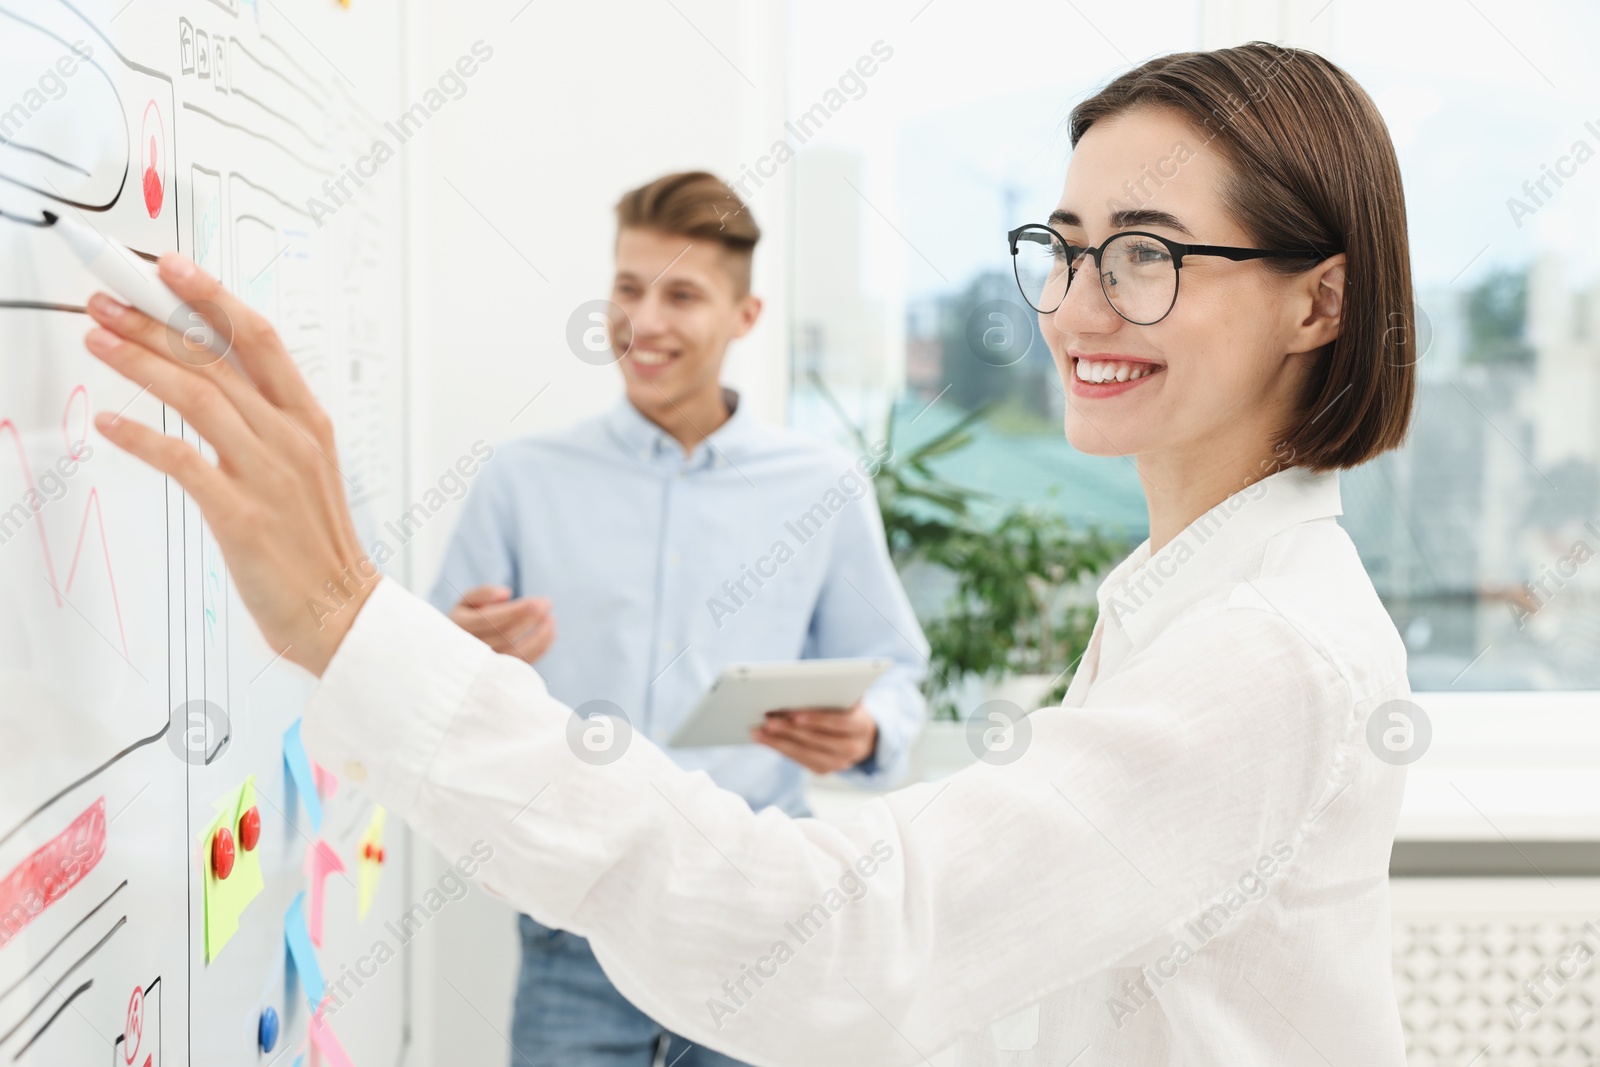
x=325 y=1047
x=321 y=861
x=327 y=781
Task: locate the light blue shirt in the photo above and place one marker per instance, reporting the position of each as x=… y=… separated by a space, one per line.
x=759 y=545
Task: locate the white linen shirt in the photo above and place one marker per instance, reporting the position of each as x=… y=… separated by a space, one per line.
x=1187 y=864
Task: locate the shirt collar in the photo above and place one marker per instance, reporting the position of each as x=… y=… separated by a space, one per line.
x=648 y=443
x=1141 y=593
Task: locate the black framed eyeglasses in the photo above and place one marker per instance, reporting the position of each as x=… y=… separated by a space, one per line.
x=1138 y=270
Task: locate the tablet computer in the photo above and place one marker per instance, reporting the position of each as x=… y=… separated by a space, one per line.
x=744 y=693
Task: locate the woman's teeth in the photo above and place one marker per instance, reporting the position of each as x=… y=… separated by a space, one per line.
x=1113 y=371
x=648 y=358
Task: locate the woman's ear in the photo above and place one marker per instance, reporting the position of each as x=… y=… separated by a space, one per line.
x=1323 y=288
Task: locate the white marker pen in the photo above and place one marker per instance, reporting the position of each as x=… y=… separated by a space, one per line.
x=138 y=285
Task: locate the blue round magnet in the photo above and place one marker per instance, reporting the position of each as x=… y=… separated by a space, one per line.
x=268 y=1030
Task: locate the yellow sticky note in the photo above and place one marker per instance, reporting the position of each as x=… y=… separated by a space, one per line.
x=370 y=851
x=226 y=898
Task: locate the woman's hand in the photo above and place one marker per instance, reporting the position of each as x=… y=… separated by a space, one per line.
x=275 y=497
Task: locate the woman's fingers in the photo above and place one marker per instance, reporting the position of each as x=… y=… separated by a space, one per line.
x=201 y=403
x=171 y=456
x=275 y=499
x=134 y=325
x=255 y=342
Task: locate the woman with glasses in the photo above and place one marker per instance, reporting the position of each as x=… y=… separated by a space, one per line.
x=1185 y=863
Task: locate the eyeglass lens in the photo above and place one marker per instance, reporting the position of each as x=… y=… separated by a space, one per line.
x=1136 y=273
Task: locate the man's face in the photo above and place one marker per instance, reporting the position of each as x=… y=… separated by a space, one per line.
x=680 y=310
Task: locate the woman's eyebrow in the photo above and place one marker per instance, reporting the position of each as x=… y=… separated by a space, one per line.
x=1121 y=220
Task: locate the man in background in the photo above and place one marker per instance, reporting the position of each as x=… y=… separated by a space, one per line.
x=670 y=537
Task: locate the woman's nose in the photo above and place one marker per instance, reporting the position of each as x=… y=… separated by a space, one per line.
x=1085 y=308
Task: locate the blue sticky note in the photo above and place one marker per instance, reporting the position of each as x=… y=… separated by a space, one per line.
x=298 y=937
x=305 y=783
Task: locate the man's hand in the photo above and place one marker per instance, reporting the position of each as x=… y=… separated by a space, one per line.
x=819 y=739
x=523 y=628
x=275 y=497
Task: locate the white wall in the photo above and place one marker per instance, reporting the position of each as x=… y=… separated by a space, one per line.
x=515 y=180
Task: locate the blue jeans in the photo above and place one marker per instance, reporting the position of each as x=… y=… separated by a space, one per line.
x=568 y=1014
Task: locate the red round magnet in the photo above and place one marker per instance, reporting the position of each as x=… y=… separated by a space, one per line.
x=250 y=829
x=222 y=853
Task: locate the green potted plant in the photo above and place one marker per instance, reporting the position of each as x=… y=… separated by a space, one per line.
x=1022 y=610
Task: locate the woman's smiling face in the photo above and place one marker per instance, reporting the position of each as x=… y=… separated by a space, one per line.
x=1215 y=373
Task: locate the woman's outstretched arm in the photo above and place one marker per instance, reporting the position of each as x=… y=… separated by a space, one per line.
x=941 y=908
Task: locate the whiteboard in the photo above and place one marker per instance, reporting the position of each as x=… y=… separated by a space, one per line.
x=135 y=693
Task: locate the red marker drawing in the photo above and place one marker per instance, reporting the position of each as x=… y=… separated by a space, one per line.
x=153 y=170
x=55 y=867
x=75 y=451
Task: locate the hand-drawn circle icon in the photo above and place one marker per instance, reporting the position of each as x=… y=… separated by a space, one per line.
x=193 y=331
x=1399 y=732
x=598 y=732
x=1000 y=332
x=998 y=732
x=594 y=330
x=152 y=159
x=133 y=1026
x=198 y=732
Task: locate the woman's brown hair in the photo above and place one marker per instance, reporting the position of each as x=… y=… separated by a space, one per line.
x=1311 y=166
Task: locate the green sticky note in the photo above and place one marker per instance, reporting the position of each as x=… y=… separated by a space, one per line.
x=226 y=898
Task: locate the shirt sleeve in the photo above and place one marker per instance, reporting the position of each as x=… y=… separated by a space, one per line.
x=481 y=548
x=940 y=908
x=862 y=611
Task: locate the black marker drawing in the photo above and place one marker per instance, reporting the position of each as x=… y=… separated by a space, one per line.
x=14 y=986
x=76 y=993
